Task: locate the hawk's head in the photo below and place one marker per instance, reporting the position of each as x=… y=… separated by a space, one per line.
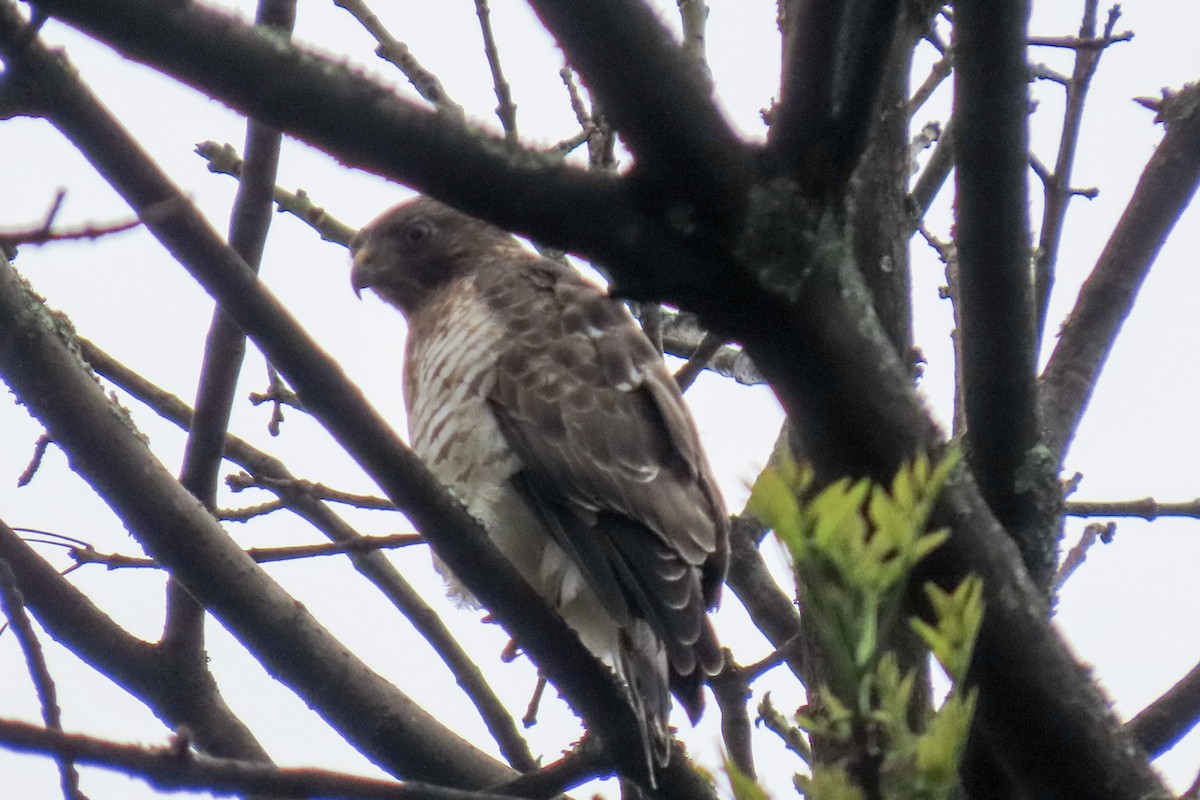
x=410 y=252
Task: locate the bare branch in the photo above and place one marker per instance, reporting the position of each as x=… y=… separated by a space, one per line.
x=1147 y=508
x=224 y=160
x=35 y=461
x=317 y=491
x=134 y=665
x=664 y=110
x=275 y=476
x=261 y=555
x=686 y=375
x=1058 y=191
x=13 y=606
x=1168 y=719
x=997 y=333
x=1096 y=532
x=397 y=53
x=174 y=767
x=731 y=687
x=507 y=109
x=1165 y=188
x=834 y=56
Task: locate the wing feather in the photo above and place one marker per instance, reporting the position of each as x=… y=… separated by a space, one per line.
x=600 y=427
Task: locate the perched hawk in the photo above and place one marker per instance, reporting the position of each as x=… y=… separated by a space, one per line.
x=537 y=399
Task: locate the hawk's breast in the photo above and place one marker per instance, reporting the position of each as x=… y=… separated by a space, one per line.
x=451 y=360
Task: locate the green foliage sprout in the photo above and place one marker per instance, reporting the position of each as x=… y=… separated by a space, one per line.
x=854 y=545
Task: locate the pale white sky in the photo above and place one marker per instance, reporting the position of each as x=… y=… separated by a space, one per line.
x=1128 y=611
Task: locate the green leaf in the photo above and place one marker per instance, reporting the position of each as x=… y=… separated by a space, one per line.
x=744 y=787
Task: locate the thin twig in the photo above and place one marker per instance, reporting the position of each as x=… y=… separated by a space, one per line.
x=1147 y=508
x=1058 y=191
x=397 y=53
x=318 y=491
x=1079 y=553
x=937 y=74
x=507 y=109
x=577 y=104
x=1080 y=43
x=224 y=160
x=791 y=736
x=279 y=395
x=261 y=555
x=686 y=375
x=39 y=452
x=13 y=606
x=44 y=235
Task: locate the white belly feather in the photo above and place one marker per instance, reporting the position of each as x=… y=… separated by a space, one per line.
x=451 y=372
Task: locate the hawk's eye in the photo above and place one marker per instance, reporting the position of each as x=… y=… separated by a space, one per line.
x=418 y=231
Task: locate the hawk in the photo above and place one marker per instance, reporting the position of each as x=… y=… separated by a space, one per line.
x=536 y=398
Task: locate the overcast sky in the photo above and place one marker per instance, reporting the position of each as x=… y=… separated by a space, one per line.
x=1129 y=611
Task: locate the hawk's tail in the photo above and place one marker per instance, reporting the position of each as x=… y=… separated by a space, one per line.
x=642 y=662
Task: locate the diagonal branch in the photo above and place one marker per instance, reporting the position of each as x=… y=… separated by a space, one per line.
x=362 y=123
x=379 y=570
x=1164 y=190
x=383 y=723
x=1168 y=719
x=12 y=604
x=134 y=665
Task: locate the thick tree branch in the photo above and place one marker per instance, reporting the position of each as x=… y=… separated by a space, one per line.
x=659 y=99
x=995 y=297
x=175 y=768
x=1164 y=190
x=360 y=122
x=833 y=60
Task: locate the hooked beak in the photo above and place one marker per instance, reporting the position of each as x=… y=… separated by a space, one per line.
x=362 y=274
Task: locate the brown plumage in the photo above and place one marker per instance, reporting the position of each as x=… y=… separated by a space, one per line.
x=537 y=399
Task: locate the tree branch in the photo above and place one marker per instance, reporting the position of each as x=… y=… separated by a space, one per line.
x=377 y=569
x=1168 y=719
x=1058 y=192
x=384 y=724
x=224 y=350
x=833 y=60
x=995 y=298
x=12 y=603
x=1165 y=188
x=660 y=100
x=136 y=666
x=175 y=768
